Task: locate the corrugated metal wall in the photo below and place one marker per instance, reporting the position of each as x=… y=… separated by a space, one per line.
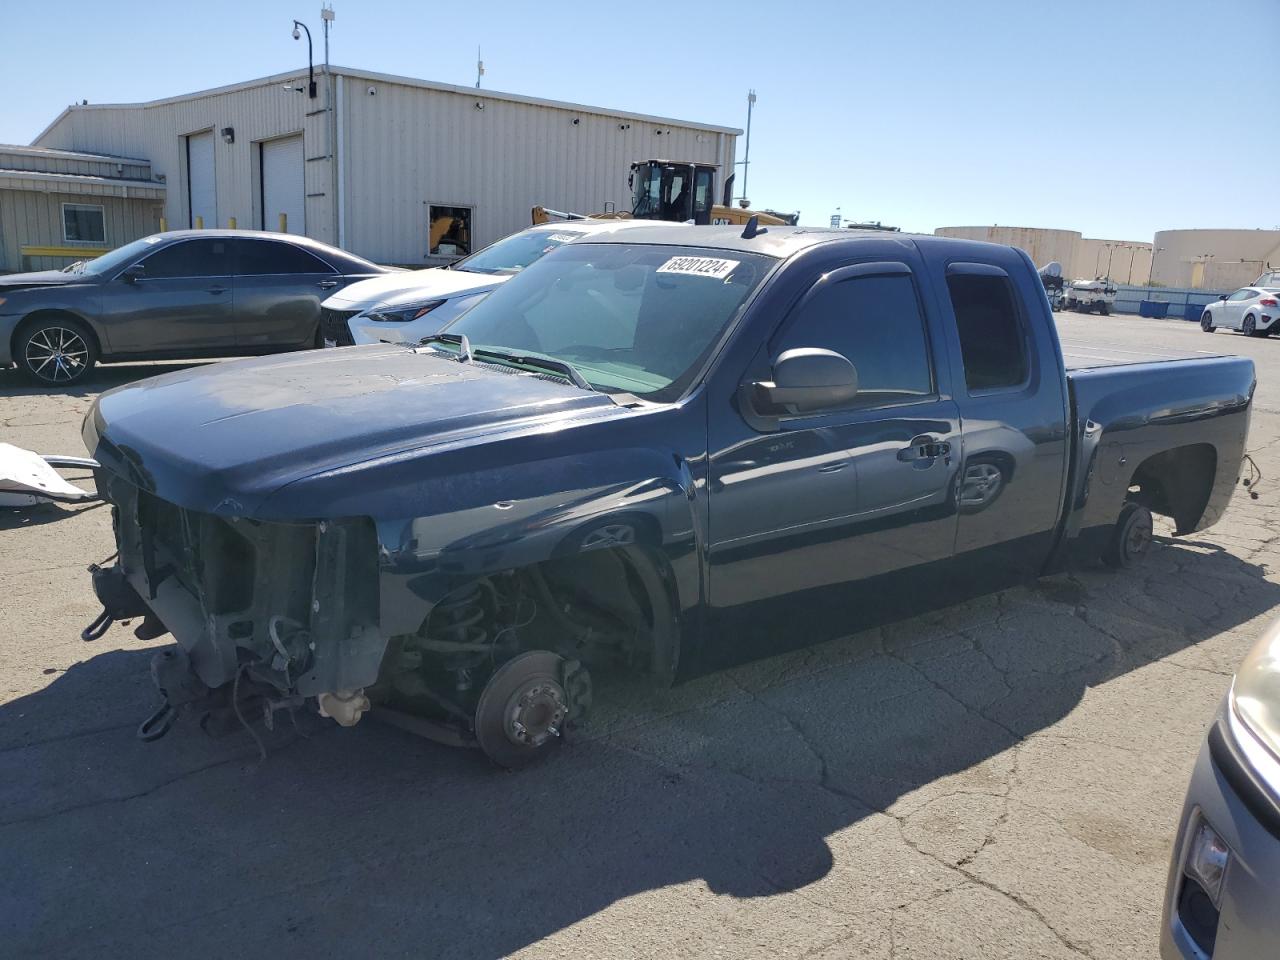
x=403 y=147
x=156 y=131
x=41 y=162
x=35 y=218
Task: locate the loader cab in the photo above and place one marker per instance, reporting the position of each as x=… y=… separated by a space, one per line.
x=675 y=191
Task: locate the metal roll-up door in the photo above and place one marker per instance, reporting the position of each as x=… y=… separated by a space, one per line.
x=282 y=185
x=202 y=184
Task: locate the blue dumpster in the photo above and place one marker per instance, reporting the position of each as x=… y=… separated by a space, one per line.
x=1194 y=311
x=1156 y=309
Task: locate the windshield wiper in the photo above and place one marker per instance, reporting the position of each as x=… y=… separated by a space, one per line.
x=565 y=369
x=464 y=345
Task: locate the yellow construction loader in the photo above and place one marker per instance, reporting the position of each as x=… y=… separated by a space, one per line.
x=674 y=190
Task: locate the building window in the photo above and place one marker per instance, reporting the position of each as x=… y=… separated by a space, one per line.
x=83 y=223
x=448 y=231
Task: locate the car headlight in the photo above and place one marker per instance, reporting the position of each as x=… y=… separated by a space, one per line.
x=1255 y=695
x=404 y=314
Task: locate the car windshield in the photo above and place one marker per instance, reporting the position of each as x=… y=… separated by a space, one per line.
x=113 y=260
x=631 y=318
x=514 y=253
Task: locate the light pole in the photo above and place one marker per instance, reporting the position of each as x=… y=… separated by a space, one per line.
x=1111 y=250
x=311 y=70
x=746 y=154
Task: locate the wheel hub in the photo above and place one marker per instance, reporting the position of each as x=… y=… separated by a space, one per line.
x=535 y=713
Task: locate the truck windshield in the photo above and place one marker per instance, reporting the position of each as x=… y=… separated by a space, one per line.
x=630 y=318
x=514 y=253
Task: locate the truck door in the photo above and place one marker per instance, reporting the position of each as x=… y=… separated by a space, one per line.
x=1011 y=392
x=827 y=500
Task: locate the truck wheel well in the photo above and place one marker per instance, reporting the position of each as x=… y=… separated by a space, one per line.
x=1177 y=483
x=627 y=586
x=35 y=317
x=612 y=609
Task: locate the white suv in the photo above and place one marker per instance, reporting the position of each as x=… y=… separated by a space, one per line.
x=405 y=307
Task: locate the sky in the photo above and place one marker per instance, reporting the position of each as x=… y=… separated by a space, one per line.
x=1116 y=119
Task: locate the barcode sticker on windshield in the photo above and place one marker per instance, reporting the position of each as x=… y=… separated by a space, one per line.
x=564 y=237
x=712 y=267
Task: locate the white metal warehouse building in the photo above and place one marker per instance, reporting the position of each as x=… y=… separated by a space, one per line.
x=392 y=156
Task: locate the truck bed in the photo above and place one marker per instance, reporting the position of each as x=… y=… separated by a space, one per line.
x=1083 y=354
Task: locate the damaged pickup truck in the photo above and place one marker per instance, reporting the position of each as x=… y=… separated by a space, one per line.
x=656 y=454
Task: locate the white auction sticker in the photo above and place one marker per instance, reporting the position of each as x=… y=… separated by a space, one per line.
x=564 y=237
x=712 y=267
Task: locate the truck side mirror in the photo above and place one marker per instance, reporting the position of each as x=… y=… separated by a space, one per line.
x=806 y=379
x=133 y=273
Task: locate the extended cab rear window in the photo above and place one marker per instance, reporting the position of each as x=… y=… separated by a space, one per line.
x=992 y=341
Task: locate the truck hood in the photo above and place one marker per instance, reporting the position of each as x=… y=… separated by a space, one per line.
x=222 y=438
x=428 y=283
x=39 y=278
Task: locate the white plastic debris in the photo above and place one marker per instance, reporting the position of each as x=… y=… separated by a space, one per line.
x=27 y=478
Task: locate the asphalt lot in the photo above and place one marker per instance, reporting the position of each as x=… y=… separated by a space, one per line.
x=998 y=779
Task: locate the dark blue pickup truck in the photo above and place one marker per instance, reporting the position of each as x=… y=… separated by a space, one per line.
x=661 y=453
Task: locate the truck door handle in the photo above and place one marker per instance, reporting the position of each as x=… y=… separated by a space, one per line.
x=924 y=447
x=326 y=284
x=217 y=289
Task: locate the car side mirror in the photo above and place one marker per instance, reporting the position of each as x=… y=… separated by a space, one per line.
x=806 y=379
x=1222 y=296
x=133 y=272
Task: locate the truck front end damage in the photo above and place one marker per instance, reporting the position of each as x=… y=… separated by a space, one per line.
x=280 y=611
x=275 y=615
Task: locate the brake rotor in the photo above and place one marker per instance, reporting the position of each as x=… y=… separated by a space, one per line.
x=522 y=709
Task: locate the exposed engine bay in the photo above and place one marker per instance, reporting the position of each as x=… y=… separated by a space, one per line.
x=272 y=616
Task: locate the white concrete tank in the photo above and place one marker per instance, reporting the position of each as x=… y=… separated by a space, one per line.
x=1214 y=259
x=1041 y=244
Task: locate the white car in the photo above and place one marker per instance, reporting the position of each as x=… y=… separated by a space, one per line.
x=405 y=307
x=1253 y=311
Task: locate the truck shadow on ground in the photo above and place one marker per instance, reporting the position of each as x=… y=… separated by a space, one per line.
x=367 y=842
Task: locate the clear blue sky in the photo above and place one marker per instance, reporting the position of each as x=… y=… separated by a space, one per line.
x=1114 y=118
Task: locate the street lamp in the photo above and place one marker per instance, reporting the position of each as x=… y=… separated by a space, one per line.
x=311 y=70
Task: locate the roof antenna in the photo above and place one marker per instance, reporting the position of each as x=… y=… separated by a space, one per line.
x=753 y=228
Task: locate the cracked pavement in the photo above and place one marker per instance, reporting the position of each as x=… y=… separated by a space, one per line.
x=996 y=779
